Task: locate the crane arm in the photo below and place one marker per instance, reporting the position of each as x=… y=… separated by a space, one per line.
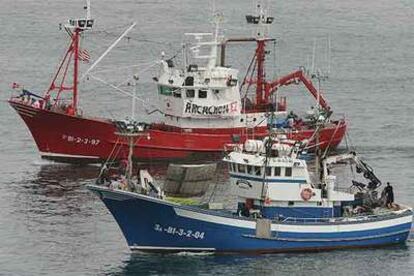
x=296 y=77
x=361 y=166
x=339 y=158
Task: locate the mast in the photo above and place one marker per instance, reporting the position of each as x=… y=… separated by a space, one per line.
x=260 y=57
x=256 y=72
x=262 y=22
x=217 y=17
x=75 y=68
x=88 y=9
x=74 y=28
x=131 y=140
x=135 y=77
x=131 y=132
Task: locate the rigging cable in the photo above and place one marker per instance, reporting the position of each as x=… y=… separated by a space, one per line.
x=348 y=149
x=268 y=148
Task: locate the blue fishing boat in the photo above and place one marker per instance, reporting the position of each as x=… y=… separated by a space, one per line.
x=281 y=207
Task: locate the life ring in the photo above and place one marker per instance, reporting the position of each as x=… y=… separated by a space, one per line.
x=306 y=194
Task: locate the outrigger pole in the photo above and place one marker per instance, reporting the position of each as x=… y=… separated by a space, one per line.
x=108 y=50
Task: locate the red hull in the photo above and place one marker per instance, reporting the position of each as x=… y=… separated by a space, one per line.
x=68 y=138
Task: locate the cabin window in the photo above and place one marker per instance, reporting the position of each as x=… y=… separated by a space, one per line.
x=257 y=171
x=277 y=171
x=89 y=23
x=230 y=167
x=202 y=94
x=242 y=168
x=291 y=203
x=288 y=171
x=189 y=81
x=268 y=171
x=233 y=166
x=275 y=153
x=177 y=93
x=249 y=169
x=165 y=90
x=190 y=93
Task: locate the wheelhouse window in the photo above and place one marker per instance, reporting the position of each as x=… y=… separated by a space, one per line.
x=274 y=152
x=249 y=169
x=257 y=171
x=165 y=90
x=189 y=81
x=202 y=94
x=233 y=166
x=190 y=93
x=242 y=168
x=277 y=171
x=177 y=93
x=268 y=171
x=288 y=171
x=230 y=167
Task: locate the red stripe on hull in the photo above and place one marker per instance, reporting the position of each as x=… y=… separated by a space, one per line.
x=59 y=136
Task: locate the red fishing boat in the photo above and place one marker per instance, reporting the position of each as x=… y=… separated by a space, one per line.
x=202 y=104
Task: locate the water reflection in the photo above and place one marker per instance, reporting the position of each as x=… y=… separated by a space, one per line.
x=55 y=179
x=65 y=174
x=59 y=189
x=54 y=189
x=333 y=262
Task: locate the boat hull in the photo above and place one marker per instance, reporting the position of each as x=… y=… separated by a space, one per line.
x=154 y=225
x=66 y=138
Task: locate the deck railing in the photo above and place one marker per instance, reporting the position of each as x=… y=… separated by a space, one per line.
x=345 y=219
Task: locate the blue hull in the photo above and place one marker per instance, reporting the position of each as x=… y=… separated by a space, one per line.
x=150 y=224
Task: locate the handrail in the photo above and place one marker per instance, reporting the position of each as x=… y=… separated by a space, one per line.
x=346 y=219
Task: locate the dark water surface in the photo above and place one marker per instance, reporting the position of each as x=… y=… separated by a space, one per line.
x=50 y=224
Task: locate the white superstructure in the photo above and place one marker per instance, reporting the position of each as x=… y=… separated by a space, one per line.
x=203 y=94
x=270 y=174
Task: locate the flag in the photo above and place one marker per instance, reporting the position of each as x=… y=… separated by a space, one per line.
x=84 y=55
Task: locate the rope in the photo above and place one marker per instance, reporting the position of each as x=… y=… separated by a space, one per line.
x=213 y=193
x=139 y=72
x=247 y=72
x=251 y=77
x=112 y=156
x=348 y=148
x=109 y=158
x=353 y=148
x=332 y=137
x=315 y=133
x=121 y=67
x=123 y=91
x=268 y=148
